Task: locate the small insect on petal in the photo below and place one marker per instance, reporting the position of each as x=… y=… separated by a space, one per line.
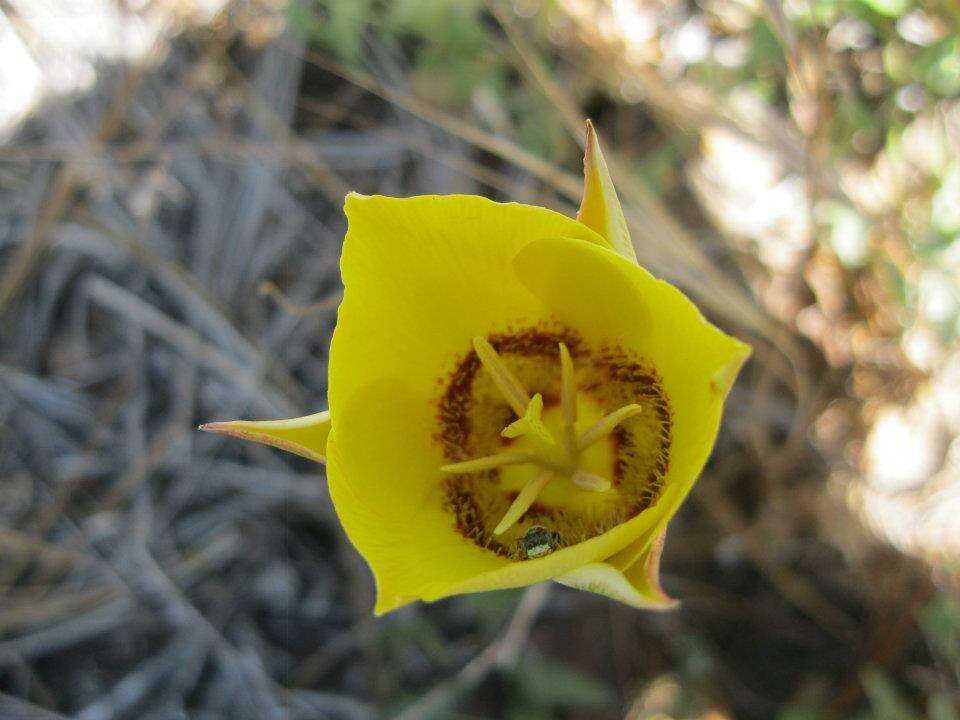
x=538 y=541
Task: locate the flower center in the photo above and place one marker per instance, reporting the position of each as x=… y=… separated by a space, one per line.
x=543 y=442
x=554 y=454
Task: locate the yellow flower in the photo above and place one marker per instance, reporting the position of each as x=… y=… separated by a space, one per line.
x=512 y=397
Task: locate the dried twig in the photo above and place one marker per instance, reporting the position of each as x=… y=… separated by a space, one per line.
x=502 y=653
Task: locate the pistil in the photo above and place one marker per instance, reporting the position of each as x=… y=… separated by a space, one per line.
x=554 y=458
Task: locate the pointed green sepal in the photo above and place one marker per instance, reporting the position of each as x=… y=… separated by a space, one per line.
x=305 y=436
x=637 y=585
x=600 y=208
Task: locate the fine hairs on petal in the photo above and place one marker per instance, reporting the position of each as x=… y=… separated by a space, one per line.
x=553 y=457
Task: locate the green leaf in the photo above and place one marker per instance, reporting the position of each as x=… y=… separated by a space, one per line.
x=765 y=50
x=659 y=169
x=940 y=622
x=819 y=12
x=885 y=699
x=525 y=710
x=945 y=203
x=491 y=608
x=897 y=62
x=546 y=683
x=302 y=19
x=941 y=707
x=939 y=67
x=888 y=8
x=455 y=49
x=848 y=233
x=802 y=711
x=337 y=24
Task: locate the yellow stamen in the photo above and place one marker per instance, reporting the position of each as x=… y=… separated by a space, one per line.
x=590 y=481
x=489 y=462
x=568 y=397
x=531 y=427
x=506 y=381
x=605 y=425
x=526 y=498
x=552 y=457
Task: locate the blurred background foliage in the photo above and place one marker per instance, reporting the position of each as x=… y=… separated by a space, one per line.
x=170 y=236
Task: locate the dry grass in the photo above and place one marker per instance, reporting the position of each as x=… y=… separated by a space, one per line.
x=169 y=257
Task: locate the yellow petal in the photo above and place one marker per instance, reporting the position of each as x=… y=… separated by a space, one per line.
x=600 y=208
x=554 y=565
x=618 y=303
x=638 y=585
x=425 y=275
x=385 y=482
x=305 y=436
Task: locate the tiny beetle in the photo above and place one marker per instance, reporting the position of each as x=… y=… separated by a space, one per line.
x=538 y=541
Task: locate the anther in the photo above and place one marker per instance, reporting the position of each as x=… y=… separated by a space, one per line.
x=489 y=462
x=506 y=381
x=545 y=452
x=568 y=397
x=590 y=481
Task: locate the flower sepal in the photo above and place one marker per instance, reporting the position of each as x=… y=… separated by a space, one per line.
x=637 y=585
x=516 y=398
x=305 y=436
x=600 y=209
